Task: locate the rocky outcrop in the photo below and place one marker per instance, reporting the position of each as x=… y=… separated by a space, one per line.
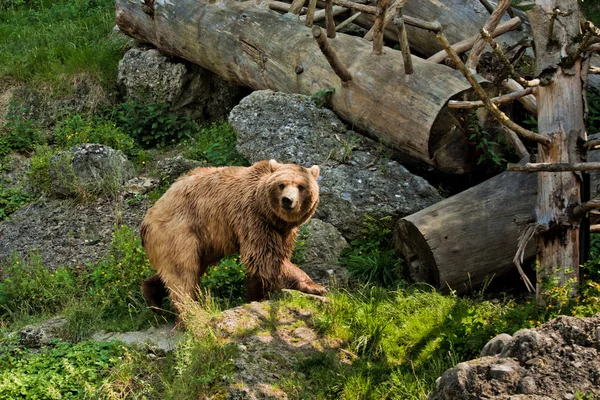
x=320 y=252
x=558 y=360
x=155 y=339
x=188 y=88
x=89 y=167
x=172 y=168
x=42 y=334
x=357 y=178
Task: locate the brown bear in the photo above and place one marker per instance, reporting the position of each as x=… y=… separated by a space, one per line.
x=210 y=213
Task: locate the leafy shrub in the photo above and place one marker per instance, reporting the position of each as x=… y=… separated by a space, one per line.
x=11 y=200
x=226 y=280
x=150 y=122
x=60 y=371
x=214 y=144
x=114 y=283
x=490 y=145
x=372 y=259
x=39 y=174
x=28 y=288
x=18 y=134
x=78 y=130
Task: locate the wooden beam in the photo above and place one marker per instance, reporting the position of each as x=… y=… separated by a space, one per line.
x=329 y=23
x=379 y=26
x=403 y=40
x=310 y=14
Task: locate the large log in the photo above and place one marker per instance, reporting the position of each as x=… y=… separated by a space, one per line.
x=460 y=242
x=258 y=48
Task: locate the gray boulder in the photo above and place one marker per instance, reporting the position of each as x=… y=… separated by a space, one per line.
x=156 y=340
x=37 y=335
x=172 y=168
x=321 y=250
x=188 y=88
x=357 y=179
x=558 y=360
x=89 y=167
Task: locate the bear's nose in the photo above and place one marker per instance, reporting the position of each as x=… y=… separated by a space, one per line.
x=287 y=203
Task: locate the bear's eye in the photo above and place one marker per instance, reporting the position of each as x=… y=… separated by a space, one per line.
x=301 y=188
x=281 y=186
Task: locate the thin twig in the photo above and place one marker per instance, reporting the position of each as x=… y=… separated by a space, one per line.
x=528 y=101
x=493 y=109
x=524 y=238
x=554 y=167
x=496 y=100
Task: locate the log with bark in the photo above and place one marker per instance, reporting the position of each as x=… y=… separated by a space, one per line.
x=258 y=48
x=460 y=242
x=460 y=19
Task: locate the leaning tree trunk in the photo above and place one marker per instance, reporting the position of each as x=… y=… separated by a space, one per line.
x=560 y=117
x=460 y=242
x=259 y=48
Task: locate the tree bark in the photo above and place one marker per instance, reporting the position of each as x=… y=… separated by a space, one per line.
x=560 y=117
x=260 y=49
x=465 y=239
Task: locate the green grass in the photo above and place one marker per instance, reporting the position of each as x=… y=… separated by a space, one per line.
x=52 y=42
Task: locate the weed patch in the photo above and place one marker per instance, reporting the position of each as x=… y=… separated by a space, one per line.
x=214 y=144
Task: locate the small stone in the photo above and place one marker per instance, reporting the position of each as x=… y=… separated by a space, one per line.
x=527 y=385
x=503 y=372
x=496 y=345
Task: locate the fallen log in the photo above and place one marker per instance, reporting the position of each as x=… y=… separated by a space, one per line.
x=460 y=20
x=258 y=48
x=460 y=242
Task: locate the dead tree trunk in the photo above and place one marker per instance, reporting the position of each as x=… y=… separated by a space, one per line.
x=260 y=49
x=556 y=30
x=460 y=242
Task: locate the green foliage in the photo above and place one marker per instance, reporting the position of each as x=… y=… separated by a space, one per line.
x=60 y=371
x=39 y=174
x=214 y=144
x=593 y=118
x=226 y=279
x=150 y=122
x=322 y=97
x=77 y=129
x=489 y=144
x=18 y=134
x=114 y=282
x=28 y=287
x=11 y=199
x=56 y=41
x=372 y=258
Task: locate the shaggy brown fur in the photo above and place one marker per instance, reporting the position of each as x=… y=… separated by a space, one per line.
x=214 y=212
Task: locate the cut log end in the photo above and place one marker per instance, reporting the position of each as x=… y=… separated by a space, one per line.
x=413 y=248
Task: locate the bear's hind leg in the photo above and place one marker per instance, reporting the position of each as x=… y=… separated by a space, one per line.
x=182 y=287
x=154 y=291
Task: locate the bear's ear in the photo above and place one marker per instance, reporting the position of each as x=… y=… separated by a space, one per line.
x=274 y=165
x=314 y=171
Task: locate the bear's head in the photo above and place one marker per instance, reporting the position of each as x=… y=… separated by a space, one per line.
x=293 y=191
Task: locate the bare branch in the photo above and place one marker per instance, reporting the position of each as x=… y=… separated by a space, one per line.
x=356 y=6
x=403 y=40
x=388 y=17
x=329 y=23
x=296 y=6
x=489 y=26
x=379 y=26
x=347 y=22
x=511 y=69
x=496 y=100
x=465 y=45
x=310 y=14
x=554 y=167
x=583 y=209
x=528 y=101
x=525 y=237
x=514 y=140
x=331 y=56
x=594 y=71
x=499 y=115
x=591 y=144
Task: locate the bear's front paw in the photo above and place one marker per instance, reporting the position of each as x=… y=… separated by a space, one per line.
x=311 y=288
